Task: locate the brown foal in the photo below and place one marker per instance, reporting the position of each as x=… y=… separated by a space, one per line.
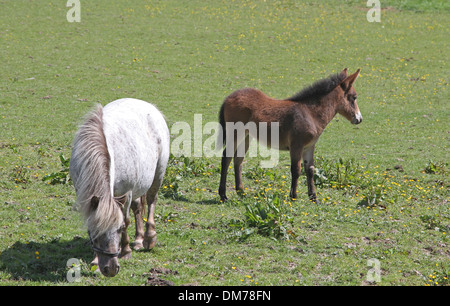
x=301 y=120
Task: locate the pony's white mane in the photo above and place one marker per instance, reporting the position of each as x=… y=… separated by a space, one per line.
x=91 y=162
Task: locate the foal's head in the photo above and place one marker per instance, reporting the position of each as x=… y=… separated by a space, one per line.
x=347 y=105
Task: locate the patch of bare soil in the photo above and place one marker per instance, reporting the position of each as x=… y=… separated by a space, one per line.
x=154 y=279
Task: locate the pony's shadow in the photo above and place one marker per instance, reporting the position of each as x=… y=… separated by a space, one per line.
x=43 y=261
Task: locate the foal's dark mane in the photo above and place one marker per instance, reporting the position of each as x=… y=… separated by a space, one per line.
x=318 y=89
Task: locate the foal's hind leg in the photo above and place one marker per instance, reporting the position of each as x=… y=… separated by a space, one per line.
x=238 y=159
x=223 y=175
x=138 y=207
x=235 y=150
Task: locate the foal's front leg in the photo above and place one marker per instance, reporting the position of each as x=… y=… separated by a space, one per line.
x=296 y=154
x=308 y=163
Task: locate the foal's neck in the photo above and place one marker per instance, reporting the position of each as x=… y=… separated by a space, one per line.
x=323 y=111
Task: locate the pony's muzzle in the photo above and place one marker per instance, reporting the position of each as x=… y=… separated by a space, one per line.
x=110 y=271
x=357 y=119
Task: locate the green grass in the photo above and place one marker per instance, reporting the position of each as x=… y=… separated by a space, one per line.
x=383 y=184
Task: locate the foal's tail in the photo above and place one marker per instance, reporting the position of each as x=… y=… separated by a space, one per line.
x=222 y=135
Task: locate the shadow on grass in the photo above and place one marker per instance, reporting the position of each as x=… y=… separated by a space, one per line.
x=210 y=202
x=43 y=261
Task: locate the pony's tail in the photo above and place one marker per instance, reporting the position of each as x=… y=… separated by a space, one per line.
x=222 y=135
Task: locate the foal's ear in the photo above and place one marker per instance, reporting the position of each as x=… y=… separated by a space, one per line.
x=94 y=202
x=348 y=82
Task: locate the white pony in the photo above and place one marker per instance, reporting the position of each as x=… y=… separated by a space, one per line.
x=119 y=158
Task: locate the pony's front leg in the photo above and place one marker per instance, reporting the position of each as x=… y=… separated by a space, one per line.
x=125 y=241
x=308 y=163
x=138 y=210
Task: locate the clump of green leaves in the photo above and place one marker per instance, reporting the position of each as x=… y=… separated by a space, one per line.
x=170 y=189
x=62 y=176
x=267 y=216
x=435 y=168
x=337 y=173
x=183 y=166
x=374 y=197
x=20 y=174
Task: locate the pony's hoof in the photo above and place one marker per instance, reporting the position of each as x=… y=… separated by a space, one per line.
x=125 y=255
x=149 y=244
x=137 y=245
x=150 y=241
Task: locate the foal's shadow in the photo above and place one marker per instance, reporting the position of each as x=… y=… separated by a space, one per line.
x=209 y=202
x=43 y=261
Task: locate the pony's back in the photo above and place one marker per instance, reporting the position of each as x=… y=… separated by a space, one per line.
x=138 y=141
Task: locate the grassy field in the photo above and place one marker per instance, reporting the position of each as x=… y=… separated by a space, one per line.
x=383 y=184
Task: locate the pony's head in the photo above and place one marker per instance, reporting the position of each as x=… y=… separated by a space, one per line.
x=105 y=235
x=347 y=98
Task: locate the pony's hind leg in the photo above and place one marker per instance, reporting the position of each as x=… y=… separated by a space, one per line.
x=138 y=207
x=150 y=226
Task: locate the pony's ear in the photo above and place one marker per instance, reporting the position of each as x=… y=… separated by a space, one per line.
x=348 y=82
x=94 y=202
x=344 y=72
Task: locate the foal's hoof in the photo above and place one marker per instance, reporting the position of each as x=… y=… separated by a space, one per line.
x=314 y=199
x=223 y=198
x=240 y=192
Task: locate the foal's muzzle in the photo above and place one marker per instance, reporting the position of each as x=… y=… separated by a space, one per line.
x=357 y=119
